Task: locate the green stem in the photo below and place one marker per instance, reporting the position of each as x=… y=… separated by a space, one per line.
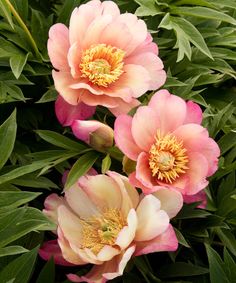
x=24 y=27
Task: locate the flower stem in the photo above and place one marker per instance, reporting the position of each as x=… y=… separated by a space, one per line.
x=24 y=27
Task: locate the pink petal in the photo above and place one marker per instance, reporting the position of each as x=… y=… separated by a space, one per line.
x=197 y=172
x=153 y=64
x=194 y=113
x=67 y=253
x=70 y=226
x=127 y=234
x=67 y=113
x=137 y=29
x=51 y=249
x=124 y=107
x=171 y=200
x=58 y=46
x=144 y=127
x=80 y=202
x=74 y=58
x=103 y=100
x=151 y=220
x=123 y=137
x=201 y=196
x=102 y=190
x=167 y=241
x=171 y=110
x=107 y=271
x=107 y=253
x=110 y=8
x=83 y=129
x=147 y=46
x=80 y=20
x=51 y=203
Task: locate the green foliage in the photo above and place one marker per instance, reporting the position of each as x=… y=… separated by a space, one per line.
x=197 y=42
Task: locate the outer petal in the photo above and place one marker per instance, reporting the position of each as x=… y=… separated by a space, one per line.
x=167 y=241
x=51 y=203
x=153 y=65
x=194 y=113
x=151 y=220
x=67 y=252
x=58 y=46
x=171 y=110
x=123 y=137
x=201 y=196
x=171 y=201
x=144 y=127
x=102 y=190
x=107 y=271
x=124 y=107
x=67 y=113
x=70 y=226
x=79 y=201
x=51 y=249
x=74 y=58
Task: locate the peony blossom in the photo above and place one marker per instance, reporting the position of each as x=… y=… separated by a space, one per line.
x=94 y=133
x=104 y=58
x=102 y=220
x=169 y=145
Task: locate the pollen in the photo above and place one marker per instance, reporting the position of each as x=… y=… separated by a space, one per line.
x=167 y=158
x=102 y=64
x=102 y=230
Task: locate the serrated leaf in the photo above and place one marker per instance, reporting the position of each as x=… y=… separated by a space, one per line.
x=20 y=269
x=17 y=63
x=7 y=138
x=81 y=167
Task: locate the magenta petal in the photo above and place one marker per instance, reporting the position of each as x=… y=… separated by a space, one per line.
x=51 y=249
x=167 y=241
x=67 y=113
x=201 y=196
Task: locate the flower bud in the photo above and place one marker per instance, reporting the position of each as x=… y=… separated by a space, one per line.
x=96 y=134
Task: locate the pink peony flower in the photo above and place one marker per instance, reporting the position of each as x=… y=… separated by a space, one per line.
x=168 y=143
x=104 y=58
x=94 y=133
x=102 y=220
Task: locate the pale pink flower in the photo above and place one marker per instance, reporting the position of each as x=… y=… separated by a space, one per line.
x=102 y=220
x=168 y=143
x=104 y=58
x=67 y=113
x=94 y=133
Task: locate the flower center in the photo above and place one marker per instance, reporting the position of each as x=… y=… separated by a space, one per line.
x=102 y=64
x=167 y=158
x=102 y=230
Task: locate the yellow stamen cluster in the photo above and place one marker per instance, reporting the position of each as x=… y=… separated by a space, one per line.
x=167 y=158
x=102 y=64
x=102 y=230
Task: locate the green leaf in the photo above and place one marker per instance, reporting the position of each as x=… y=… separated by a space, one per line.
x=227 y=142
x=81 y=167
x=48 y=96
x=12 y=199
x=7 y=138
x=16 y=223
x=60 y=140
x=47 y=274
x=203 y=12
x=230 y=265
x=12 y=250
x=217 y=273
x=106 y=164
x=190 y=211
x=181 y=269
x=147 y=8
x=181 y=238
x=6 y=12
x=20 y=269
x=17 y=63
x=66 y=10
x=227 y=238
x=223 y=4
